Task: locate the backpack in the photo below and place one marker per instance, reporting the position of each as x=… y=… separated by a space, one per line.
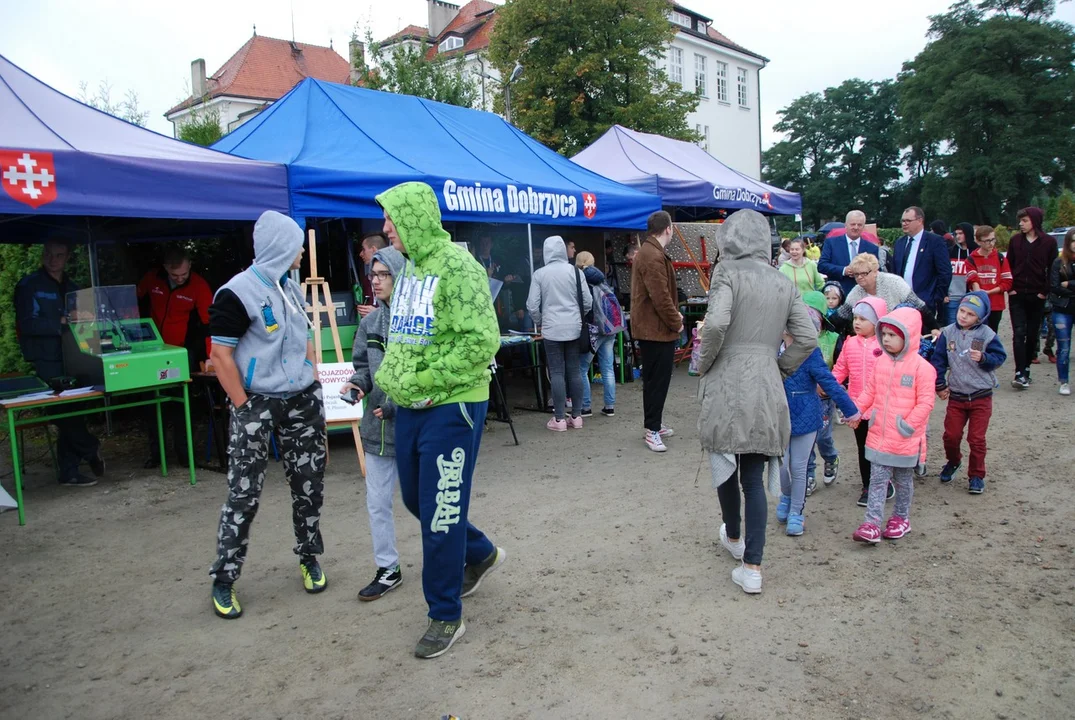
x=607 y=313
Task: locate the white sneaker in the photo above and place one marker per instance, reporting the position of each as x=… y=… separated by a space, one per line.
x=735 y=548
x=666 y=431
x=749 y=580
x=654 y=442
x=1065 y=389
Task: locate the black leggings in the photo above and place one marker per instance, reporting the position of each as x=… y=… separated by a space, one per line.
x=750 y=472
x=864 y=465
x=994 y=320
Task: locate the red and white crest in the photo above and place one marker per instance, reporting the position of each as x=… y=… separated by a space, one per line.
x=29 y=177
x=589 y=205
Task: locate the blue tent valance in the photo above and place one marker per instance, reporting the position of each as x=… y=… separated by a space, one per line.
x=60 y=157
x=683 y=174
x=344 y=145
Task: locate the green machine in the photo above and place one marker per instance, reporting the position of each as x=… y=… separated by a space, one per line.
x=110 y=346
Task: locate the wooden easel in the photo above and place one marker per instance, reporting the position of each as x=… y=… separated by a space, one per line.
x=703 y=279
x=319 y=289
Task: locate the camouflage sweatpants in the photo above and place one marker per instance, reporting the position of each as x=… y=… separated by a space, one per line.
x=299 y=423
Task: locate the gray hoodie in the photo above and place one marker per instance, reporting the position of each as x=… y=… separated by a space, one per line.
x=271 y=354
x=553 y=302
x=378 y=434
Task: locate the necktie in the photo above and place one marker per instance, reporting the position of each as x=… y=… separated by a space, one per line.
x=854 y=248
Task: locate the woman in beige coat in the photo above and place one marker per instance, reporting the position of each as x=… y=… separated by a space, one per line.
x=744 y=420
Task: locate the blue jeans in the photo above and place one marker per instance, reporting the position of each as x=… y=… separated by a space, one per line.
x=436 y=451
x=825 y=445
x=1062 y=323
x=606 y=347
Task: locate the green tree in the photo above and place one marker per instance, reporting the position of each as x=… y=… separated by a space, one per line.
x=1065 y=210
x=408 y=71
x=589 y=65
x=125 y=109
x=203 y=125
x=990 y=97
x=841 y=151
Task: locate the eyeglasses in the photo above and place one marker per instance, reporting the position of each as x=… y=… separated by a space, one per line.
x=860 y=275
x=382 y=275
x=987 y=241
x=904 y=221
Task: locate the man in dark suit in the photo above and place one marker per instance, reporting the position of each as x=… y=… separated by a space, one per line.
x=921 y=258
x=837 y=252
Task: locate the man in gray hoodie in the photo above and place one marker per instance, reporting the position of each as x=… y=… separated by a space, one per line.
x=263 y=354
x=378 y=423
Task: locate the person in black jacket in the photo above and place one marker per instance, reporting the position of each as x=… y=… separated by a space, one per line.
x=40 y=321
x=1062 y=296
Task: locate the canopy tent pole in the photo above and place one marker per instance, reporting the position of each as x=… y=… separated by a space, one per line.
x=530 y=242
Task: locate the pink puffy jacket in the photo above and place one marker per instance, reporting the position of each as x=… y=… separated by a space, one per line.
x=859 y=355
x=900 y=397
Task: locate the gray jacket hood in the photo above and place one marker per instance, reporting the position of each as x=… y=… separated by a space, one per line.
x=554 y=250
x=392 y=259
x=277 y=240
x=745 y=236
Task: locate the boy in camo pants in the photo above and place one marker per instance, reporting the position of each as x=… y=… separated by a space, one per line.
x=263 y=357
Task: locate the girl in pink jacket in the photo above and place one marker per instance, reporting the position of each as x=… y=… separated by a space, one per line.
x=899 y=398
x=855 y=365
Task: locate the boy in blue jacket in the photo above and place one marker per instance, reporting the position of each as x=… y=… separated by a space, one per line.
x=965 y=355
x=804 y=405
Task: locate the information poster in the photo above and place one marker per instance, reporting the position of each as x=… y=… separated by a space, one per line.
x=333 y=377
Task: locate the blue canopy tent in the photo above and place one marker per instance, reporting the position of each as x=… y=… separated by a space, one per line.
x=61 y=157
x=683 y=174
x=343 y=145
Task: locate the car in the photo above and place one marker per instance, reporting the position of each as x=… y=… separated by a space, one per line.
x=1059 y=234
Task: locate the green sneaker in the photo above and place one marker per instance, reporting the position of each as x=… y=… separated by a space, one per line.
x=440 y=636
x=225 y=601
x=313 y=579
x=473 y=575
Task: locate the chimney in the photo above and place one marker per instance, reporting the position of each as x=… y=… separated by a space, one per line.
x=358 y=59
x=197 y=78
x=440 y=15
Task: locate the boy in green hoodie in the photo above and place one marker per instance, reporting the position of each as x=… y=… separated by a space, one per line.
x=826 y=340
x=442 y=338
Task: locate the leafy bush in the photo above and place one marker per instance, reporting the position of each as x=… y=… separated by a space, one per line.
x=1004 y=236
x=889 y=235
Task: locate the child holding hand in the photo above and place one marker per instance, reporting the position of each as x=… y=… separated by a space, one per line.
x=899 y=399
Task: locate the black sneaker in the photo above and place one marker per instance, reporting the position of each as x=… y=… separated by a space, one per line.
x=474 y=574
x=439 y=636
x=225 y=601
x=586 y=412
x=1020 y=381
x=97 y=463
x=608 y=412
x=78 y=480
x=891 y=492
x=949 y=471
x=864 y=498
x=385 y=580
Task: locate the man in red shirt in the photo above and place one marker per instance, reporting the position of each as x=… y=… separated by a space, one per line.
x=178 y=301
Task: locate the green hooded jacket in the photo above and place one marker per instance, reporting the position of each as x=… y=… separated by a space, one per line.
x=826 y=339
x=443 y=333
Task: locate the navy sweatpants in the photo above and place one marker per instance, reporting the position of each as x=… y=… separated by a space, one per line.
x=436 y=450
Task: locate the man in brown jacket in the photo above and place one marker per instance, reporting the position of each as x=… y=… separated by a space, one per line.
x=655 y=323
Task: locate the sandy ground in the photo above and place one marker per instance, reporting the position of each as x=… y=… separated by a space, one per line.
x=616 y=600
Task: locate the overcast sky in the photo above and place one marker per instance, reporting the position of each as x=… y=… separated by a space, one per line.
x=147 y=47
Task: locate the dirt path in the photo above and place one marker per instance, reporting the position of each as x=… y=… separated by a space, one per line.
x=616 y=600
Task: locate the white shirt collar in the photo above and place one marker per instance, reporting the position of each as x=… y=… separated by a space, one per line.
x=918 y=236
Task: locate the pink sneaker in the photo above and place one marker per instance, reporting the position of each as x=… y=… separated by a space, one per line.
x=574 y=422
x=896 y=528
x=868 y=533
x=556 y=425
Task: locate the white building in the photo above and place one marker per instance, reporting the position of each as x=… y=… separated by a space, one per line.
x=724 y=74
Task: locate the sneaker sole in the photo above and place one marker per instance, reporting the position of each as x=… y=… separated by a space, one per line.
x=501 y=556
x=458 y=634
x=866 y=541
x=748 y=591
x=371 y=598
x=78 y=485
x=861 y=504
x=657 y=449
x=790 y=533
x=895 y=537
x=976 y=492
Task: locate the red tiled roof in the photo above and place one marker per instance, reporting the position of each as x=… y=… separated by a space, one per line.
x=722 y=39
x=267 y=68
x=411 y=31
x=474 y=23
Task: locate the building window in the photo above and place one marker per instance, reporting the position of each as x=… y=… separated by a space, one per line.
x=680 y=19
x=722 y=81
x=742 y=87
x=703 y=135
x=452 y=42
x=675 y=65
x=699 y=76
